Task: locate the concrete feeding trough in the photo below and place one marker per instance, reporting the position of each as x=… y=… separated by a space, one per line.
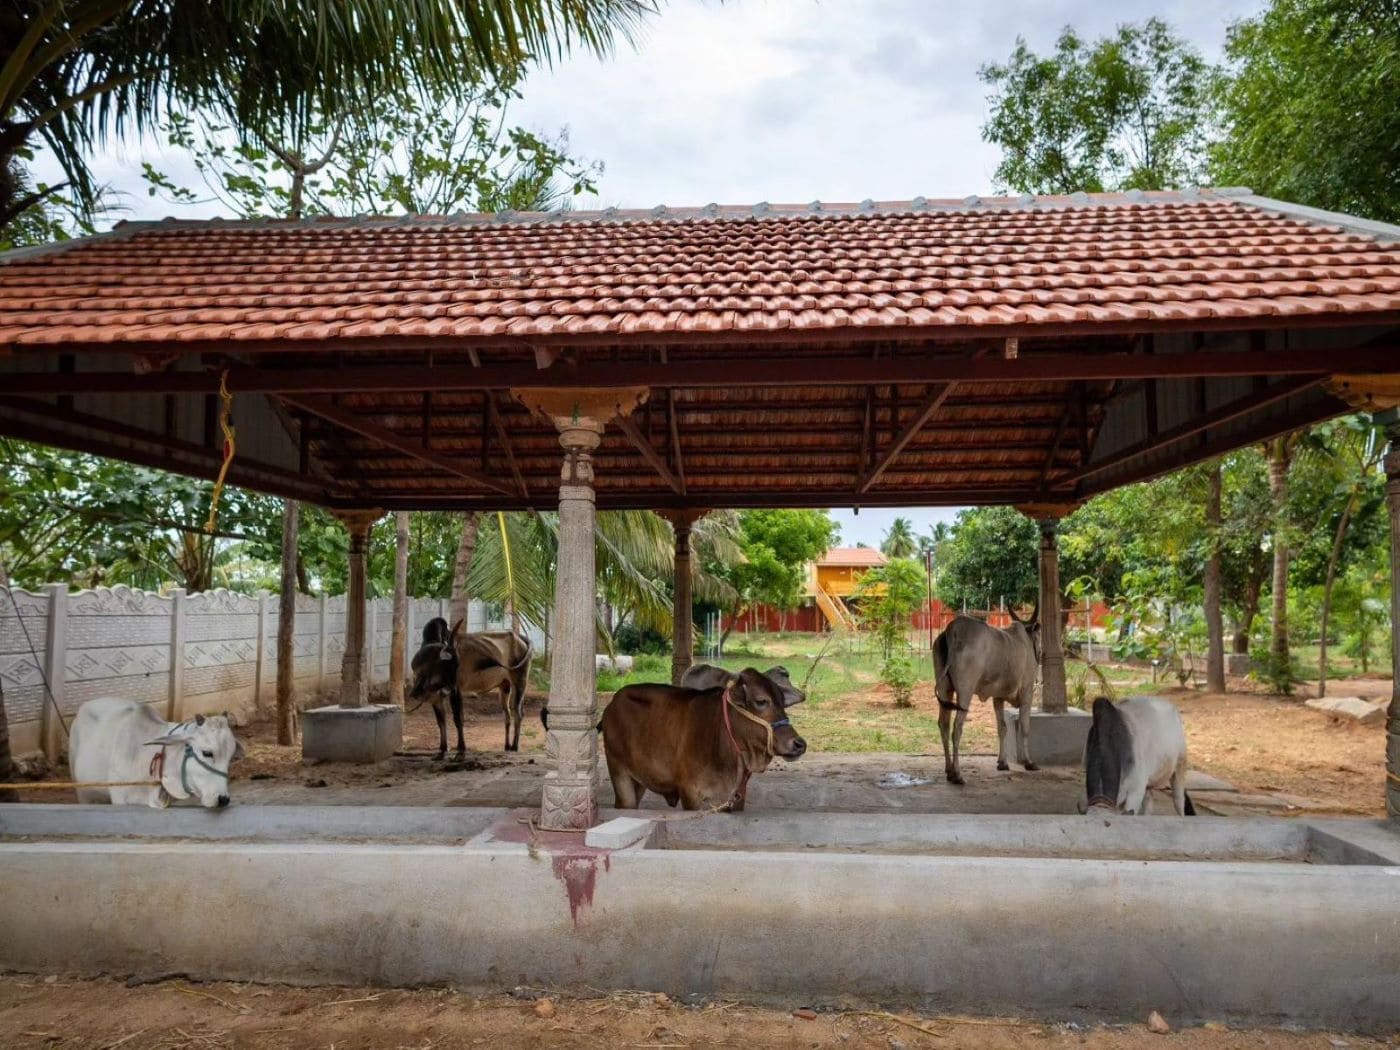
x=1199 y=918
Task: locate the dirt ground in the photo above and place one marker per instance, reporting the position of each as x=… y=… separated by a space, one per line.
x=175 y=1015
x=1284 y=758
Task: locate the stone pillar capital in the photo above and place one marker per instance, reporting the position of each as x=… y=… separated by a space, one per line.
x=569 y=406
x=358 y=521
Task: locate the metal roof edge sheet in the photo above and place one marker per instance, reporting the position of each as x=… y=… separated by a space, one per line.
x=763 y=211
x=1373 y=228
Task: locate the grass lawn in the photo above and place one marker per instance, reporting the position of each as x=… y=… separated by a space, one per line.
x=848 y=708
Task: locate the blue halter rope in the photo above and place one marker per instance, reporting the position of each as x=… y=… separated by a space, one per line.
x=188 y=757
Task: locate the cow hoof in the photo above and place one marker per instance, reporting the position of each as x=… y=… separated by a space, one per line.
x=955 y=778
x=460 y=754
x=440 y=756
x=1030 y=767
x=1002 y=767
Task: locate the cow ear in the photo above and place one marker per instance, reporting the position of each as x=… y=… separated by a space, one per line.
x=168 y=739
x=238 y=750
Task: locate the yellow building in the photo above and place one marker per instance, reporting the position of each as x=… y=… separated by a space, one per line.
x=836 y=576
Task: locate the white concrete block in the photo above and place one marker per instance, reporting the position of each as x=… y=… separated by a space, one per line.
x=1056 y=739
x=618 y=833
x=351 y=734
x=1367 y=712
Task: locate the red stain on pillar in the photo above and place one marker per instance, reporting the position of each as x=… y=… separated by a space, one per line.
x=579 y=874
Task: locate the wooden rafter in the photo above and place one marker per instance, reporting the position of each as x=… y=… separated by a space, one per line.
x=1060 y=428
x=504 y=438
x=390 y=439
x=926 y=411
x=675 y=428
x=1199 y=424
x=649 y=453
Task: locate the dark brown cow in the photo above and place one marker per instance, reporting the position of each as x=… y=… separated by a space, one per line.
x=696 y=747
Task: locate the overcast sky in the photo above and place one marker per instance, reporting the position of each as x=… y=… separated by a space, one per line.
x=788 y=100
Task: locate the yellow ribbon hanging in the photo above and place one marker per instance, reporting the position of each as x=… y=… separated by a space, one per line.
x=225 y=415
x=510 y=574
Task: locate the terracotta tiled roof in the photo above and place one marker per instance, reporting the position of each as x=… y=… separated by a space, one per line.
x=853 y=557
x=1046 y=263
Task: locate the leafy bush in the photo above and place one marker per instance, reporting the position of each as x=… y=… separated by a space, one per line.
x=631 y=639
x=900 y=674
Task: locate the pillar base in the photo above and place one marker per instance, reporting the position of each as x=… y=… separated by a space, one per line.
x=351 y=734
x=1057 y=739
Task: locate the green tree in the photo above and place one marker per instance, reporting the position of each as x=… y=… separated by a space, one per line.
x=990 y=555
x=78 y=70
x=776 y=546
x=428 y=152
x=890 y=594
x=1308 y=105
x=899 y=540
x=1130 y=110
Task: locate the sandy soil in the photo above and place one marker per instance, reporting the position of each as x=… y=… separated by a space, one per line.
x=104 y=1015
x=1259 y=743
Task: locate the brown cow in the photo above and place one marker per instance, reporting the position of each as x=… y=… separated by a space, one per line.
x=696 y=747
x=483 y=662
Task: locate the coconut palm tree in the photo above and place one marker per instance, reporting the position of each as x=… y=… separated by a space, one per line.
x=634 y=556
x=78 y=70
x=899 y=541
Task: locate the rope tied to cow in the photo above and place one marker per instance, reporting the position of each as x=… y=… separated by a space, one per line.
x=768 y=726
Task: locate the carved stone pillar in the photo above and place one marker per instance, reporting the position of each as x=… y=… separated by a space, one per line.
x=1390 y=419
x=1053 y=697
x=571 y=743
x=354 y=679
x=683 y=628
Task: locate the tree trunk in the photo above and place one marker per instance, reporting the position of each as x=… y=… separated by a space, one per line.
x=286 y=625
x=7 y=766
x=303 y=581
x=466 y=549
x=733 y=620
x=398 y=639
x=1278 y=628
x=1333 y=559
x=1215 y=627
x=1249 y=610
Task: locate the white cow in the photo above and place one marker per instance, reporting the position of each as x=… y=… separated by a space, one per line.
x=1133 y=746
x=117 y=741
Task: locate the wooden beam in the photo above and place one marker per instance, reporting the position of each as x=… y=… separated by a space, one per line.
x=1217 y=417
x=504 y=438
x=1055 y=445
x=780 y=371
x=389 y=439
x=1261 y=430
x=674 y=424
x=931 y=405
x=658 y=464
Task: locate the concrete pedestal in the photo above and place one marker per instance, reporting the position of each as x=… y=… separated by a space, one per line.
x=1056 y=739
x=351 y=734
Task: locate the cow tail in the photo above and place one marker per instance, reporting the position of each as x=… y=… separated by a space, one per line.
x=943 y=683
x=1190 y=809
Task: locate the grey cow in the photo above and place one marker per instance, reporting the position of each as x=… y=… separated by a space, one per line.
x=708 y=676
x=996 y=663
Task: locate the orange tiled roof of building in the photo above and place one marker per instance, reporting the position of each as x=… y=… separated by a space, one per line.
x=855 y=557
x=1043 y=262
